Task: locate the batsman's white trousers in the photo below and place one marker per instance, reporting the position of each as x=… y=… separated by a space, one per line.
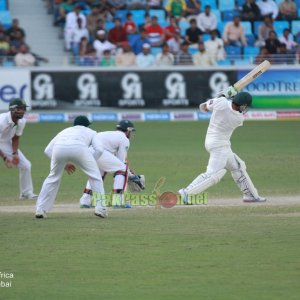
x=25 y=179
x=110 y=164
x=82 y=157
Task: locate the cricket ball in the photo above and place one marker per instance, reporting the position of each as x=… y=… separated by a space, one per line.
x=168 y=199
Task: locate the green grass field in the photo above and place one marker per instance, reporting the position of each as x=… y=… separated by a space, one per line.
x=244 y=252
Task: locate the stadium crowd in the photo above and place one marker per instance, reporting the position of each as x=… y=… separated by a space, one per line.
x=173 y=32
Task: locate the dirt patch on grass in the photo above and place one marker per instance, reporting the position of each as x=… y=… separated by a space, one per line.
x=74 y=208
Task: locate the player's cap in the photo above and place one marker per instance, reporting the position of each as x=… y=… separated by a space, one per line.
x=242 y=98
x=125 y=125
x=82 y=121
x=101 y=32
x=17 y=103
x=146 y=46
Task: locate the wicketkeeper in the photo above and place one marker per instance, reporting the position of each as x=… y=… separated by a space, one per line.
x=227 y=114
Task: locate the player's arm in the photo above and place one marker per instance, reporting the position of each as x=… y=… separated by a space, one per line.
x=49 y=148
x=15 y=141
x=123 y=149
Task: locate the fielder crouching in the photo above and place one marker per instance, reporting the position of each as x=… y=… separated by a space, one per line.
x=227 y=114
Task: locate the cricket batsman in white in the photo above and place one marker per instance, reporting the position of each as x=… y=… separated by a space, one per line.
x=114 y=160
x=227 y=115
x=68 y=148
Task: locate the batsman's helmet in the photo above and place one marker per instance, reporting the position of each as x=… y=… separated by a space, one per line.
x=17 y=103
x=127 y=127
x=243 y=100
x=82 y=121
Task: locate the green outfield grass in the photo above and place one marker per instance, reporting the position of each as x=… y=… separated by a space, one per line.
x=234 y=253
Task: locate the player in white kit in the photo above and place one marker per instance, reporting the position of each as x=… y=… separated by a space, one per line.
x=69 y=147
x=113 y=160
x=12 y=125
x=227 y=115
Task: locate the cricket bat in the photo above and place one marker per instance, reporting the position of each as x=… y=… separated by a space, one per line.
x=256 y=72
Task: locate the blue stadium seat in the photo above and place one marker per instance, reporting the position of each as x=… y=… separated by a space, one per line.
x=233 y=50
x=159 y=13
x=121 y=14
x=217 y=13
x=164 y=24
x=225 y=62
x=220 y=27
x=212 y=3
x=251 y=51
x=138 y=16
x=109 y=25
x=183 y=25
x=247 y=27
x=256 y=27
x=228 y=15
x=193 y=51
x=226 y=5
x=3 y=5
x=250 y=39
x=241 y=61
x=5 y=18
x=295 y=27
x=155 y=50
x=205 y=37
x=240 y=3
x=279 y=26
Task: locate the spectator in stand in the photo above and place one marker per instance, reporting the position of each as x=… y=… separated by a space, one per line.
x=175 y=43
x=287 y=39
x=107 y=60
x=15 y=31
x=24 y=58
x=207 y=21
x=283 y=56
x=272 y=43
x=64 y=8
x=4 y=46
x=215 y=47
x=117 y=34
x=176 y=8
x=155 y=33
x=71 y=25
x=129 y=25
x=92 y=19
x=145 y=58
x=268 y=8
x=18 y=40
x=172 y=28
x=234 y=33
x=89 y=58
x=263 y=55
x=203 y=57
x=126 y=58
x=154 y=4
x=165 y=58
x=101 y=43
x=78 y=34
x=138 y=43
x=264 y=31
x=115 y=5
x=250 y=11
x=100 y=26
x=184 y=58
x=288 y=10
x=193 y=8
x=193 y=35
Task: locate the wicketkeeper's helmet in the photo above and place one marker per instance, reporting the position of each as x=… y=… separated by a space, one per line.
x=243 y=100
x=127 y=127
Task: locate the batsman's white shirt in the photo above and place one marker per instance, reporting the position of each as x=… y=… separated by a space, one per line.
x=223 y=122
x=8 y=129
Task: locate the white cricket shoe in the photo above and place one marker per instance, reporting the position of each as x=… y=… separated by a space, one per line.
x=101 y=212
x=28 y=196
x=251 y=199
x=40 y=214
x=184 y=196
